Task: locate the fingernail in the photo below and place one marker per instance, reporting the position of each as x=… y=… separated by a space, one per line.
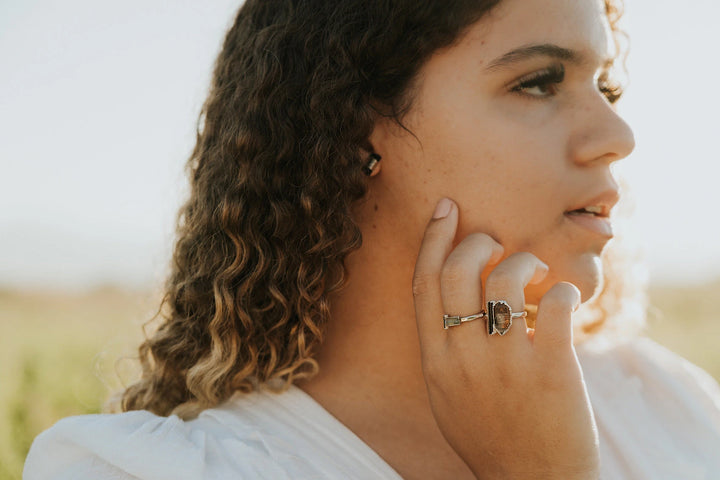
x=443 y=208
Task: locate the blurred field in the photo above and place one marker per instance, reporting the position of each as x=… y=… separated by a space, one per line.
x=57 y=356
x=58 y=352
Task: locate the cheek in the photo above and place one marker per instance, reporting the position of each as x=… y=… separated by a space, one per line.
x=500 y=159
x=506 y=187
x=507 y=168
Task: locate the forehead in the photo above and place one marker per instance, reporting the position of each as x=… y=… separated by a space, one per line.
x=580 y=25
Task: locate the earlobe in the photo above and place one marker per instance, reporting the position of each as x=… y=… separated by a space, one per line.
x=372 y=166
x=375 y=142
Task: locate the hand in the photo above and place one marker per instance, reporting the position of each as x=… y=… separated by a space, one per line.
x=512 y=406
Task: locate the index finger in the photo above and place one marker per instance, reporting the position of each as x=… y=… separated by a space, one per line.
x=436 y=245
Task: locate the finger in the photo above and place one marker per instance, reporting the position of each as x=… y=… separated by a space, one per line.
x=507 y=282
x=461 y=279
x=553 y=327
x=434 y=249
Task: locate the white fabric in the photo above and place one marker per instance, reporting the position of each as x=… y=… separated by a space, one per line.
x=658 y=417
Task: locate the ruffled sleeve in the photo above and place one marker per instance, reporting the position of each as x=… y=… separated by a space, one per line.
x=140 y=446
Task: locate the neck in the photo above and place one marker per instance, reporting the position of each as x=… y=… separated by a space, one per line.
x=370 y=374
x=372 y=336
x=371 y=346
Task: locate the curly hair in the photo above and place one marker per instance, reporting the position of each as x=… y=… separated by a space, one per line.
x=262 y=238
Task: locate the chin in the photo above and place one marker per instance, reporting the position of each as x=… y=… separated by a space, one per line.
x=585 y=273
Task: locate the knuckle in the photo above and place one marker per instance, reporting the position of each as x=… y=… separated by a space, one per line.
x=559 y=302
x=434 y=380
x=505 y=378
x=454 y=272
x=524 y=257
x=501 y=374
x=465 y=376
x=434 y=370
x=556 y=342
x=431 y=370
x=562 y=295
x=482 y=240
x=550 y=383
x=524 y=261
x=433 y=235
x=421 y=284
x=501 y=279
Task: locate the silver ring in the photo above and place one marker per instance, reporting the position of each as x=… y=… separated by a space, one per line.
x=455 y=320
x=500 y=317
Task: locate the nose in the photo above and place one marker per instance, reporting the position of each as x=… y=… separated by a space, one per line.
x=600 y=134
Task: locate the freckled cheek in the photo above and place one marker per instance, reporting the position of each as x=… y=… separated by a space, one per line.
x=499 y=162
x=512 y=219
x=509 y=187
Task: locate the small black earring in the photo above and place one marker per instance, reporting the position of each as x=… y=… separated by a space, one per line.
x=372 y=162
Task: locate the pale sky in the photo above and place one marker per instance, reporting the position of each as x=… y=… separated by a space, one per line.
x=98 y=103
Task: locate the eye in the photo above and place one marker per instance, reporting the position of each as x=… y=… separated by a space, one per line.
x=540 y=84
x=608 y=86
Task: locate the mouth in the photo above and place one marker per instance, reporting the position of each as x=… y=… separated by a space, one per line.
x=598 y=206
x=593 y=214
x=596 y=222
x=599 y=211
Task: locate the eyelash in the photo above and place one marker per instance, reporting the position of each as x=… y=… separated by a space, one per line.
x=610 y=87
x=555 y=74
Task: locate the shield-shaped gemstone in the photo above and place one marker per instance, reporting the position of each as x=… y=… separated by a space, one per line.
x=502 y=316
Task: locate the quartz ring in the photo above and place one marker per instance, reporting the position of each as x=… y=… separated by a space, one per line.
x=500 y=317
x=455 y=320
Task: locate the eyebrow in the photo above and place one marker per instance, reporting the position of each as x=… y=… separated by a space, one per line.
x=539 y=50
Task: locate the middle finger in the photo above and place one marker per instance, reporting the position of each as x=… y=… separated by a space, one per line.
x=460 y=280
x=507 y=282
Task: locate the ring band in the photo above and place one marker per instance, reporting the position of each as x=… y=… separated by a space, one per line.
x=455 y=320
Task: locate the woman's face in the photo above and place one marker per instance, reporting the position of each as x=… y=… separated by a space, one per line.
x=512 y=124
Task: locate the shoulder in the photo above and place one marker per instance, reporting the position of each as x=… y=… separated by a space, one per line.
x=260 y=436
x=89 y=446
x=142 y=445
x=652 y=364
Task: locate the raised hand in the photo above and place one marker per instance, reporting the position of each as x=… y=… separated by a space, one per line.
x=512 y=406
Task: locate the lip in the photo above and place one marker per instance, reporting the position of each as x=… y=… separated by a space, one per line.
x=606 y=200
x=599 y=225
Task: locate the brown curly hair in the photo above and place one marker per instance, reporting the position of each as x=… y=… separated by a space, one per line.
x=262 y=239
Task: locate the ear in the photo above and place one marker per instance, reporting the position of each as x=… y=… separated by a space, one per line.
x=375 y=145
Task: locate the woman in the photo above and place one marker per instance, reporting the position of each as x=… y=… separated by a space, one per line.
x=319 y=256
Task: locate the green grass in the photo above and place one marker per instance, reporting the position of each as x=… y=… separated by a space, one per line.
x=686 y=321
x=57 y=356
x=58 y=351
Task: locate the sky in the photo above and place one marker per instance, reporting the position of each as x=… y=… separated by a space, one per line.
x=98 y=104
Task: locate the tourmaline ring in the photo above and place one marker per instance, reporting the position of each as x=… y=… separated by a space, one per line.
x=500 y=317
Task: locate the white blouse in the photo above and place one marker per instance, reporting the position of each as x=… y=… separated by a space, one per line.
x=658 y=417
